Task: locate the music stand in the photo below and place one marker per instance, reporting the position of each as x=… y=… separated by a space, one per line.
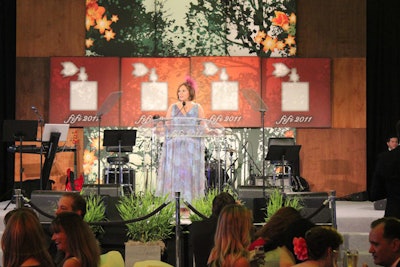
x=55 y=128
x=19 y=130
x=283 y=153
x=121 y=139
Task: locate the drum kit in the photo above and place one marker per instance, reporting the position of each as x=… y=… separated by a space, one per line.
x=219 y=173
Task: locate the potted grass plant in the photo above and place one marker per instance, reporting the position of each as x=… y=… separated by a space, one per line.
x=95 y=212
x=277 y=200
x=145 y=237
x=204 y=204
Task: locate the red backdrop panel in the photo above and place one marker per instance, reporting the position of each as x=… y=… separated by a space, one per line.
x=304 y=83
x=149 y=86
x=211 y=73
x=78 y=88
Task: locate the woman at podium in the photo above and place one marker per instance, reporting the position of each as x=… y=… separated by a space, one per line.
x=182 y=160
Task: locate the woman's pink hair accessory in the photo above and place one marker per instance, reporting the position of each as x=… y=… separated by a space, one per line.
x=191 y=82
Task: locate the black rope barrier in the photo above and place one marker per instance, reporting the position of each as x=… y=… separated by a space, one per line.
x=103 y=223
x=30 y=203
x=194 y=210
x=323 y=205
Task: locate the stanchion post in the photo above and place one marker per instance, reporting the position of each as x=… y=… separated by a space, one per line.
x=177 y=230
x=18 y=198
x=332 y=205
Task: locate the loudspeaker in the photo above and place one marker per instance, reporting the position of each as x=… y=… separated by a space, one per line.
x=380 y=204
x=111 y=190
x=312 y=202
x=46 y=201
x=253 y=191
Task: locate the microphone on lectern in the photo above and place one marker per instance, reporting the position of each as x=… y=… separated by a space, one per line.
x=180 y=110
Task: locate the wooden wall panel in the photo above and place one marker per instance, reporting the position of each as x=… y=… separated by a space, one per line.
x=349 y=93
x=33 y=79
x=331 y=28
x=50 y=28
x=333 y=159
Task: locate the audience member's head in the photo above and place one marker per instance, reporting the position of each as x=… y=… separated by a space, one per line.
x=220 y=201
x=232 y=236
x=74 y=237
x=384 y=239
x=8 y=216
x=72 y=202
x=297 y=228
x=392 y=141
x=323 y=244
x=23 y=240
x=274 y=230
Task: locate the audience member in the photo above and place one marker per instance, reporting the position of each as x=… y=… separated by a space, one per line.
x=73 y=202
x=296 y=229
x=74 y=237
x=8 y=216
x=232 y=238
x=392 y=142
x=201 y=235
x=319 y=248
x=68 y=202
x=23 y=241
x=386 y=180
x=272 y=234
x=271 y=238
x=384 y=239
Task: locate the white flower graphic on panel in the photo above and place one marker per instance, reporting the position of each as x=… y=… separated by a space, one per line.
x=224 y=93
x=154 y=94
x=83 y=93
x=295 y=95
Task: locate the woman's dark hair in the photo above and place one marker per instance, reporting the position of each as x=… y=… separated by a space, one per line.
x=23 y=239
x=319 y=239
x=275 y=229
x=81 y=242
x=220 y=201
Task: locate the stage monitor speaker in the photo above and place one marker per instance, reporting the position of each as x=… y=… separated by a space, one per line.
x=252 y=191
x=111 y=190
x=253 y=198
x=46 y=201
x=312 y=201
x=380 y=204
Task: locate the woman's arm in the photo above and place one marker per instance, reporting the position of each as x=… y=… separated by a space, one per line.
x=72 y=262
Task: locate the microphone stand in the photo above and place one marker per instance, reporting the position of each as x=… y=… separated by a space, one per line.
x=41 y=123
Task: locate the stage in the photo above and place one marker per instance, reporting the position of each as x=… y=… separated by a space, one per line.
x=353 y=221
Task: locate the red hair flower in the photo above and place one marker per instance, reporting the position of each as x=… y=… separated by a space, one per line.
x=300 y=248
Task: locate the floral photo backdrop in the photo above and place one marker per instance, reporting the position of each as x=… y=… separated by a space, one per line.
x=164 y=28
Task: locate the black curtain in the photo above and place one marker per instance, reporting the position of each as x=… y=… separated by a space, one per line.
x=383 y=77
x=7 y=84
